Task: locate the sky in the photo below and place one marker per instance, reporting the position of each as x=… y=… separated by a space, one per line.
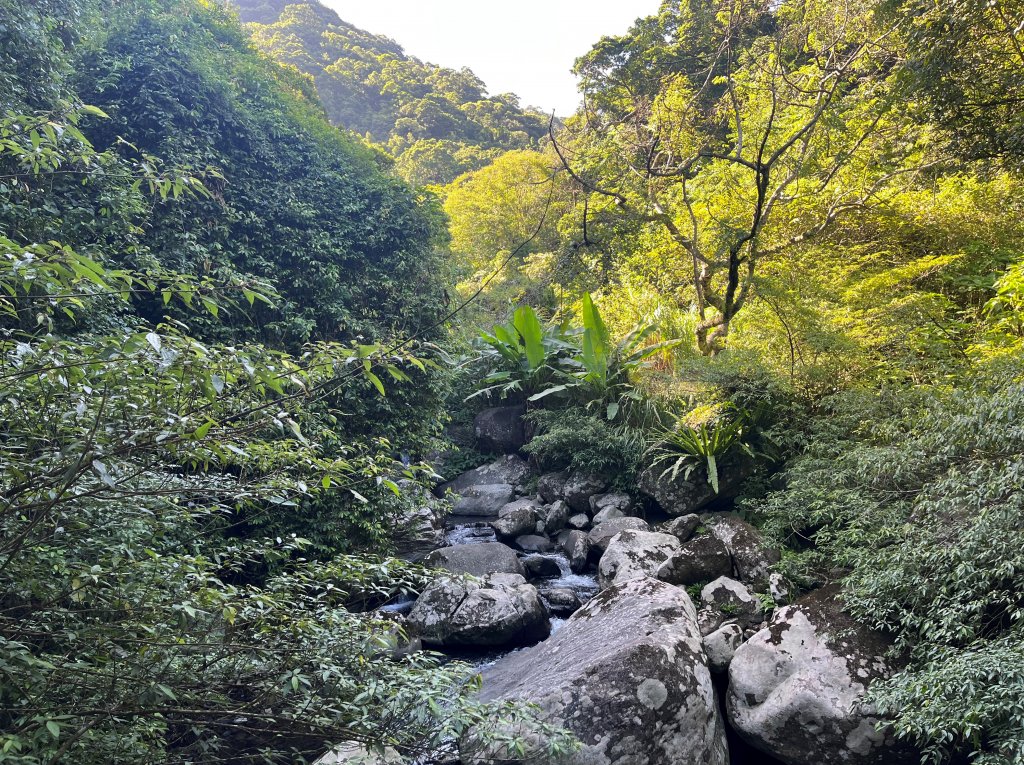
x=526 y=47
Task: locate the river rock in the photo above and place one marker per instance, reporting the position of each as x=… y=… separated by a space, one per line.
x=556 y=516
x=681 y=528
x=720 y=646
x=796 y=688
x=534 y=543
x=733 y=600
x=579 y=521
x=616 y=502
x=518 y=504
x=576 y=547
x=561 y=601
x=352 y=753
x=551 y=486
x=482 y=500
x=501 y=610
x=752 y=557
x=522 y=520
x=420 y=528
x=500 y=429
x=510 y=469
x=626 y=675
x=632 y=554
x=602 y=534
x=580 y=487
x=699 y=560
x=689 y=493
x=541 y=566
x=476 y=559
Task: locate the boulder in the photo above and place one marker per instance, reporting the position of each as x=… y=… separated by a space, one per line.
x=580 y=487
x=421 y=526
x=352 y=753
x=522 y=520
x=500 y=429
x=681 y=528
x=541 y=566
x=607 y=514
x=602 y=534
x=576 y=546
x=796 y=688
x=482 y=500
x=720 y=646
x=625 y=674
x=579 y=521
x=500 y=610
x=733 y=600
x=476 y=559
x=551 y=487
x=778 y=588
x=609 y=503
x=510 y=469
x=561 y=601
x=688 y=493
x=556 y=516
x=632 y=554
x=532 y=543
x=752 y=557
x=699 y=560
x=519 y=504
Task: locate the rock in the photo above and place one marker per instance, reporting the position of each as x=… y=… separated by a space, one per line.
x=617 y=500
x=576 y=546
x=510 y=469
x=539 y=566
x=681 y=528
x=602 y=534
x=632 y=554
x=501 y=610
x=752 y=557
x=556 y=516
x=733 y=600
x=534 y=543
x=421 y=526
x=551 y=487
x=689 y=493
x=561 y=601
x=607 y=514
x=519 y=504
x=500 y=429
x=796 y=688
x=579 y=521
x=352 y=753
x=778 y=588
x=699 y=560
x=721 y=645
x=513 y=524
x=626 y=675
x=476 y=559
x=483 y=500
x=580 y=487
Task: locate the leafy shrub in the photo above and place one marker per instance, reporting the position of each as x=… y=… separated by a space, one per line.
x=578 y=439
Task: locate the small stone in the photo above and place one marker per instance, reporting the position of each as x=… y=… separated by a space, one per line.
x=579 y=521
x=681 y=528
x=556 y=516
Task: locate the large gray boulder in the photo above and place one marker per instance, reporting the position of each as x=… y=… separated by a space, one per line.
x=510 y=469
x=476 y=559
x=752 y=557
x=626 y=675
x=613 y=505
x=733 y=601
x=632 y=554
x=691 y=492
x=699 y=560
x=796 y=688
x=580 y=487
x=482 y=500
x=500 y=429
x=682 y=527
x=576 y=546
x=602 y=534
x=522 y=520
x=500 y=610
x=551 y=486
x=556 y=517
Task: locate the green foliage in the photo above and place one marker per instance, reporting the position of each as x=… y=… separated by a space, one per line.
x=577 y=439
x=708 y=435
x=917 y=494
x=438 y=123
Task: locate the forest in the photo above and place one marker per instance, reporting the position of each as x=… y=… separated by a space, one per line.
x=350 y=413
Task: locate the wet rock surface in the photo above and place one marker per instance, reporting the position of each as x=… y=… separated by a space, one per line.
x=476 y=559
x=632 y=553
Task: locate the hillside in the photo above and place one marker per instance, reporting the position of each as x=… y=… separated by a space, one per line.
x=437 y=122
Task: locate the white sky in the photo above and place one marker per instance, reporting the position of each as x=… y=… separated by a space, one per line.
x=526 y=47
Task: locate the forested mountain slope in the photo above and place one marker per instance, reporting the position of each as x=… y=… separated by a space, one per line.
x=437 y=122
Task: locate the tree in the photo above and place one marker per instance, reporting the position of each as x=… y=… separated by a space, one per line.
x=705 y=119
